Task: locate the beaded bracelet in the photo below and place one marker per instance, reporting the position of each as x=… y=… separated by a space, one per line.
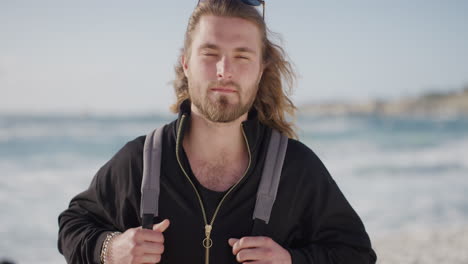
x=105 y=246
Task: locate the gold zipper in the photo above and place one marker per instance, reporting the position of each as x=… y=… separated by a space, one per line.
x=207 y=242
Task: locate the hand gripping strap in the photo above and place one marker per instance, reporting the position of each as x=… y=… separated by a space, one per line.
x=151 y=174
x=271 y=174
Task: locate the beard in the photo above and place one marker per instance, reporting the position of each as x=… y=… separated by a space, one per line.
x=218 y=108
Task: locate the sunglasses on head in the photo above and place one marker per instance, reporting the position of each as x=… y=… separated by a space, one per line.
x=249 y=2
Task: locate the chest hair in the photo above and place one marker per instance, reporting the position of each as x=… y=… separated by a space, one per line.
x=218 y=175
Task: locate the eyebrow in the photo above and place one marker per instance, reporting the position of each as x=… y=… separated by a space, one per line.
x=216 y=47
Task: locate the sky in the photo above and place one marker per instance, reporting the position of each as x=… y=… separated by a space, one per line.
x=118 y=56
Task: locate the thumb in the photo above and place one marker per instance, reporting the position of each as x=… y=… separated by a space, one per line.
x=162 y=226
x=232 y=241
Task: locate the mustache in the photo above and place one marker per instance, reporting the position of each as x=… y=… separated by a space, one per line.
x=228 y=84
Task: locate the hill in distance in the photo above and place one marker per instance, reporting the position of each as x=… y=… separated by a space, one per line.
x=453 y=103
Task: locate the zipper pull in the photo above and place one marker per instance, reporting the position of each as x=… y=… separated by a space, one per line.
x=207 y=242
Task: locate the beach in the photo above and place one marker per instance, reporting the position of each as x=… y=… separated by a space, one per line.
x=442 y=245
x=406 y=177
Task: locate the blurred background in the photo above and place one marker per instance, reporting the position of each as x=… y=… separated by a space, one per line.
x=382 y=95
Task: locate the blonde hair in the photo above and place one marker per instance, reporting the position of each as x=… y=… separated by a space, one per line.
x=272 y=102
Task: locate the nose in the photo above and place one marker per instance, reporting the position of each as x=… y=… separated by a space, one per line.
x=224 y=69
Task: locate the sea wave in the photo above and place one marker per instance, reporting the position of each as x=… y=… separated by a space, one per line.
x=37 y=132
x=364 y=158
x=397 y=173
x=31 y=201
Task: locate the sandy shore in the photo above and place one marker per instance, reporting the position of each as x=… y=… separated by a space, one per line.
x=448 y=246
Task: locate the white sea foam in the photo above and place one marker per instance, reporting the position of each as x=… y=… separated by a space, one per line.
x=31 y=202
x=77 y=131
x=356 y=158
x=394 y=181
x=424 y=244
x=399 y=189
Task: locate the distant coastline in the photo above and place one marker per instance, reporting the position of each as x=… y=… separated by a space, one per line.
x=453 y=103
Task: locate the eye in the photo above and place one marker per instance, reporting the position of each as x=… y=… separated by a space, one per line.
x=209 y=54
x=242 y=57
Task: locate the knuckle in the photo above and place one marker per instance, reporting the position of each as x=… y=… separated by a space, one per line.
x=158 y=259
x=243 y=241
x=134 y=250
x=234 y=249
x=269 y=253
x=133 y=244
x=159 y=237
x=240 y=256
x=134 y=234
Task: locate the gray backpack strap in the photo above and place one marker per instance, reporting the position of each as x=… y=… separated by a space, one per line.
x=151 y=173
x=271 y=174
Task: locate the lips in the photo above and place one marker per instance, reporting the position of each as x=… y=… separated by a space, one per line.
x=223 y=90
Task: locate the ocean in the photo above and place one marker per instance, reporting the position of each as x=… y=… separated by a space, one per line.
x=398 y=173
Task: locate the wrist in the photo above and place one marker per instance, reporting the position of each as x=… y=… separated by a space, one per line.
x=106 y=245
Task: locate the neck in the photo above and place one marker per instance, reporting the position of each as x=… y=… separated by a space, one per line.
x=213 y=141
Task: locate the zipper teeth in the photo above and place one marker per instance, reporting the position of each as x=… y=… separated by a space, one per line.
x=234 y=186
x=185 y=173
x=207 y=253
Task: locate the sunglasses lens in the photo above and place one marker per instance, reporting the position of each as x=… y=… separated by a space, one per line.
x=252 y=2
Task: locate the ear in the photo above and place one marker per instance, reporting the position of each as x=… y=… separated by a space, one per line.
x=184 y=64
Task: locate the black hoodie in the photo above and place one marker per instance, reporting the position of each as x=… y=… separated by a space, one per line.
x=310 y=218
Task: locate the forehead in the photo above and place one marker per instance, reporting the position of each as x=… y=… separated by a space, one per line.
x=227 y=32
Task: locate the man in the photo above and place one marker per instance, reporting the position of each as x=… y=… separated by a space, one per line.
x=230 y=95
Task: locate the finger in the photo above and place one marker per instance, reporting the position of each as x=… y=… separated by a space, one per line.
x=152 y=248
x=161 y=227
x=150 y=236
x=250 y=242
x=250 y=254
x=155 y=235
x=232 y=241
x=150 y=258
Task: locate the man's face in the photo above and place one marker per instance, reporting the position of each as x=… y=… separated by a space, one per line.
x=224 y=67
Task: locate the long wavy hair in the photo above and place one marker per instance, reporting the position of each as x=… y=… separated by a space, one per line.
x=272 y=102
